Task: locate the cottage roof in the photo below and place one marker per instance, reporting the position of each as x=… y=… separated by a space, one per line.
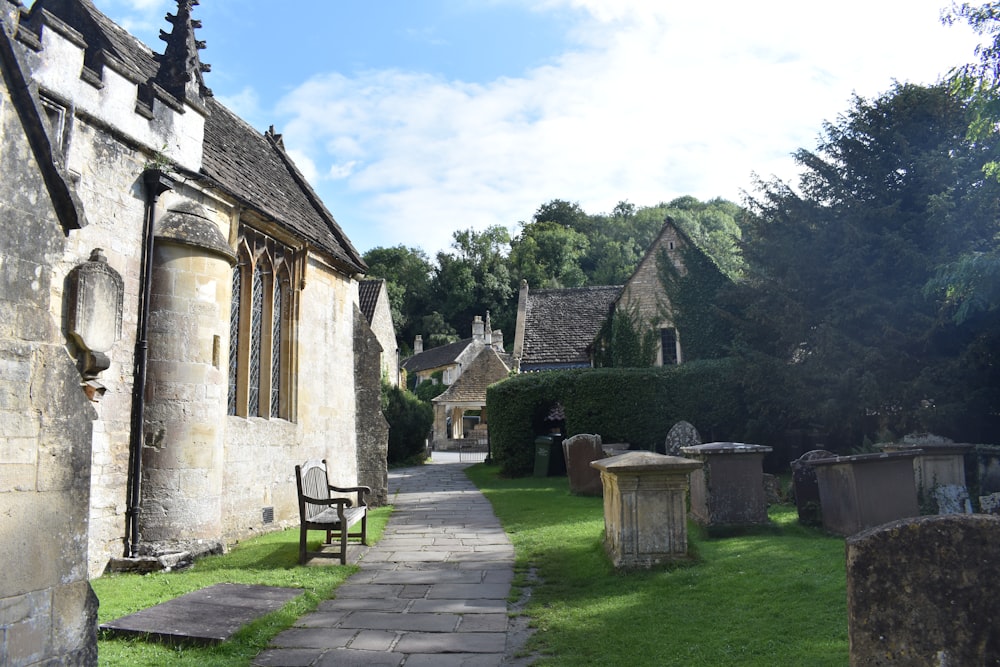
x=482 y=371
x=368 y=294
x=436 y=357
x=250 y=166
x=561 y=324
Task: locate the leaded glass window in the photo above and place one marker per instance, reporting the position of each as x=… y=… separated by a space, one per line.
x=234 y=338
x=277 y=318
x=256 y=329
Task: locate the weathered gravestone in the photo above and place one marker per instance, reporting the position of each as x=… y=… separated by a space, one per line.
x=580 y=451
x=923 y=592
x=728 y=490
x=939 y=472
x=645 y=518
x=683 y=434
x=806 y=488
x=865 y=490
x=990 y=504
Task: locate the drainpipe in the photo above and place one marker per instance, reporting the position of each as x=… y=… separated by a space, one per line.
x=156 y=183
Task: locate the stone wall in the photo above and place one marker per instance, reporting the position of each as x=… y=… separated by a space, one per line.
x=48 y=612
x=261 y=454
x=373 y=429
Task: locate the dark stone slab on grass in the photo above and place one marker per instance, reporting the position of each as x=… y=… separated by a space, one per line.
x=207 y=616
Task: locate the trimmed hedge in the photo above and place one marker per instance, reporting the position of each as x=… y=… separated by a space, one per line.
x=634 y=405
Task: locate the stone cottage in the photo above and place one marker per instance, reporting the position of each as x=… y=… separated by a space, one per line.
x=374 y=302
x=445 y=363
x=179 y=320
x=467 y=394
x=556 y=328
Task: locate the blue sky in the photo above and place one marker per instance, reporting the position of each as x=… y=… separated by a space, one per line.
x=416 y=118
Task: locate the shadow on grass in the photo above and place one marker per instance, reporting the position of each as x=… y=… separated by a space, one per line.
x=771 y=597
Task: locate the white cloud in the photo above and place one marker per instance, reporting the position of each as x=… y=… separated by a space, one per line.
x=658 y=100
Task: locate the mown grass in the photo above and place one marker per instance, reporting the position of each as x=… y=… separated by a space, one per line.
x=269 y=560
x=773 y=598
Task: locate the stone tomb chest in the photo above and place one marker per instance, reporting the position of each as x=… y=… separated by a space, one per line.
x=866 y=490
x=645 y=513
x=729 y=488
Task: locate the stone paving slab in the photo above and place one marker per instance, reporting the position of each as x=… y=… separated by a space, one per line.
x=432 y=592
x=207 y=616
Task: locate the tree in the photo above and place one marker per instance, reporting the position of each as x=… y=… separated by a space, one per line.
x=547 y=254
x=407 y=272
x=476 y=278
x=837 y=269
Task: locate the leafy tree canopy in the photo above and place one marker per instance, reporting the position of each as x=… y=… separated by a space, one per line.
x=837 y=268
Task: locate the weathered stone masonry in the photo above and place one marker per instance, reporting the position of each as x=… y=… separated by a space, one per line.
x=87 y=115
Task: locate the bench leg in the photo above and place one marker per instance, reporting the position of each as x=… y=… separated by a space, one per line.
x=302 y=545
x=343 y=545
x=364 y=529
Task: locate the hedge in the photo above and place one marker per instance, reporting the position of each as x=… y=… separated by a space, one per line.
x=634 y=405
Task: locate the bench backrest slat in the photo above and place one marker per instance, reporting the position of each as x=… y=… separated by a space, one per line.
x=315 y=485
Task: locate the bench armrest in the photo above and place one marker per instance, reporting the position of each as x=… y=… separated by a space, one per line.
x=346 y=502
x=361 y=491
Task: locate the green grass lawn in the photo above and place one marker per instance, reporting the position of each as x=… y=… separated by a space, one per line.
x=774 y=598
x=269 y=560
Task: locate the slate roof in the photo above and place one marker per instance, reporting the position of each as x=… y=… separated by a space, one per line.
x=255 y=168
x=368 y=292
x=561 y=324
x=481 y=372
x=251 y=166
x=436 y=357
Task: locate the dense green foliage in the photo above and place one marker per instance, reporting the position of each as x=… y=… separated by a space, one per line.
x=646 y=404
x=694 y=297
x=269 y=560
x=561 y=246
x=625 y=341
x=836 y=305
x=410 y=420
x=775 y=599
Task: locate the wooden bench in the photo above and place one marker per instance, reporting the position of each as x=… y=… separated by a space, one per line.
x=320 y=510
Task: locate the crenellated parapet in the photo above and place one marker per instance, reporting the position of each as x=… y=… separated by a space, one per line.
x=155 y=102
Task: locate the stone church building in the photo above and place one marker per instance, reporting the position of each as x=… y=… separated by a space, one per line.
x=179 y=320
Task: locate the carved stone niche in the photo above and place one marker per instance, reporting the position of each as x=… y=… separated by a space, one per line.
x=95 y=292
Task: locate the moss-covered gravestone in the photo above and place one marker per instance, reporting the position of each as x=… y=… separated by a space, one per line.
x=923 y=592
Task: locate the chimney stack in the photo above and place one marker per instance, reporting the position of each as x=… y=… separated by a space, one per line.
x=418 y=344
x=478 y=327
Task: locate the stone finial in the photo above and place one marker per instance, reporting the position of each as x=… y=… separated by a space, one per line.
x=181 y=69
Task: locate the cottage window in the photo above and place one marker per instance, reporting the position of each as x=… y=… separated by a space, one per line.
x=259 y=329
x=668 y=346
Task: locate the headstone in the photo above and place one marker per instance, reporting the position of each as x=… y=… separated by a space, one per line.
x=683 y=434
x=806 y=488
x=923 y=592
x=952 y=499
x=990 y=504
x=580 y=451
